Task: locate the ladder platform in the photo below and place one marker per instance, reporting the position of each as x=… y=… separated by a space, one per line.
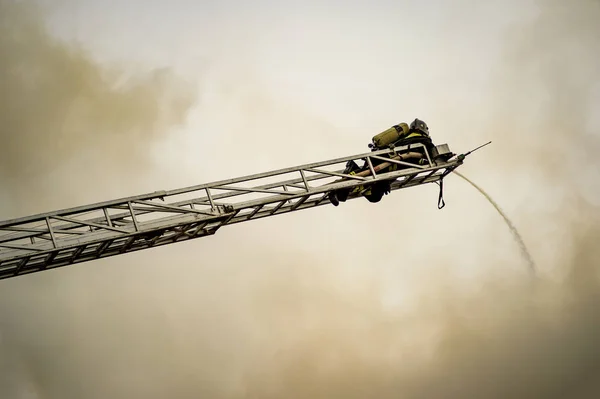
x=80 y=234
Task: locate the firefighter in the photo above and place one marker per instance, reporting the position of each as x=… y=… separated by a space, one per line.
x=398 y=135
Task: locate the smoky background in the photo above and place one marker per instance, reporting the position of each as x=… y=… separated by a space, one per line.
x=393 y=300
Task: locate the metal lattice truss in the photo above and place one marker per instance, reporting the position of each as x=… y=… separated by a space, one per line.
x=60 y=238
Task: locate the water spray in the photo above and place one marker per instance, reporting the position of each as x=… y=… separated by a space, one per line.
x=513 y=229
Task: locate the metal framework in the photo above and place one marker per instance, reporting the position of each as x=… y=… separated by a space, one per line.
x=54 y=239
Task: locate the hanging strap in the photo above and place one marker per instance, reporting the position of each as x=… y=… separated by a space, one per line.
x=441 y=202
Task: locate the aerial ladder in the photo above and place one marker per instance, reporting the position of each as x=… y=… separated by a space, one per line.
x=70 y=236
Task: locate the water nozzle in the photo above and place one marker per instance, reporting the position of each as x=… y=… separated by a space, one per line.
x=462 y=157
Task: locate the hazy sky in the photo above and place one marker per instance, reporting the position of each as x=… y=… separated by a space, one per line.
x=396 y=299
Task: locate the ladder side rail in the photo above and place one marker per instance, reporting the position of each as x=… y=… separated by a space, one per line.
x=122 y=203
x=167 y=193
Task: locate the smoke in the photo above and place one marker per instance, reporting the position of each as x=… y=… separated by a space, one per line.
x=61 y=110
x=511 y=338
x=276 y=323
x=70 y=125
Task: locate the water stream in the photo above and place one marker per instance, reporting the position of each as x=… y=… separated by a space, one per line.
x=511 y=226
